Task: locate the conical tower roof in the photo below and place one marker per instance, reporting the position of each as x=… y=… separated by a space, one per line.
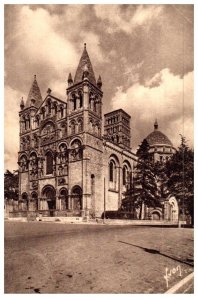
x=35 y=94
x=84 y=63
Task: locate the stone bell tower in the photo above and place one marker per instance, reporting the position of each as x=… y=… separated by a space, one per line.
x=84 y=127
x=29 y=142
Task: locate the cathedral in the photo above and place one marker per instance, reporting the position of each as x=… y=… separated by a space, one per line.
x=72 y=161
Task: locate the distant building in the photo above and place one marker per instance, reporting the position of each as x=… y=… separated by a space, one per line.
x=161 y=148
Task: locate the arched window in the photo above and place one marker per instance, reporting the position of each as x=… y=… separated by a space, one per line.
x=124 y=175
x=114 y=172
x=61 y=112
x=23 y=125
x=94 y=105
x=55 y=107
x=77 y=198
x=49 y=106
x=35 y=141
x=43 y=112
x=72 y=126
x=27 y=142
x=63 y=153
x=80 y=125
x=37 y=120
x=64 y=199
x=74 y=101
x=91 y=101
x=49 y=163
x=81 y=100
x=111 y=170
x=76 y=150
x=28 y=122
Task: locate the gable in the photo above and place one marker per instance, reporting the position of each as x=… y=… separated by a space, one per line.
x=49 y=103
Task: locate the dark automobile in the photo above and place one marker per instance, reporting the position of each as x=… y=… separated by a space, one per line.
x=117 y=214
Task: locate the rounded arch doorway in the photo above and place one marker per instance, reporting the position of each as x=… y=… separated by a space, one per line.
x=156 y=214
x=25 y=201
x=64 y=199
x=77 y=198
x=49 y=194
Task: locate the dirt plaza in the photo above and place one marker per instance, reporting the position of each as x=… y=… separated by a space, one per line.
x=76 y=258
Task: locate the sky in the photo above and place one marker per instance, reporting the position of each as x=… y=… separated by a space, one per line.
x=144 y=54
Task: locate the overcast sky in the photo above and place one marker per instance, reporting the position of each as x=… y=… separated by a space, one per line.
x=144 y=54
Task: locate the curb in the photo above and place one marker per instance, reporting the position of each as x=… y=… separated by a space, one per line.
x=100 y=222
x=178 y=285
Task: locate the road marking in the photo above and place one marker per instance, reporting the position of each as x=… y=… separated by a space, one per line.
x=178 y=285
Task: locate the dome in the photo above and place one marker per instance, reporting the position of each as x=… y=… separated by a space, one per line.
x=157 y=137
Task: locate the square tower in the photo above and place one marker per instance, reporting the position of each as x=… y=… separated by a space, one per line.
x=117 y=128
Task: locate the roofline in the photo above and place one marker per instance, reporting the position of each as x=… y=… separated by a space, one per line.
x=160 y=144
x=126 y=152
x=117 y=110
x=81 y=82
x=52 y=97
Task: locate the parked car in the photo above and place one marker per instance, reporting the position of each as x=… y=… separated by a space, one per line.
x=117 y=214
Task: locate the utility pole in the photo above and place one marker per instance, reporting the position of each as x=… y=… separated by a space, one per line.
x=104 y=201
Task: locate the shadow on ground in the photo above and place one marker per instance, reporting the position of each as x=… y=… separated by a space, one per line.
x=189 y=262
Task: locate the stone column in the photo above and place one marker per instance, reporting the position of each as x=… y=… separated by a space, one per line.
x=57 y=203
x=143 y=211
x=70 y=202
x=41 y=204
x=92 y=103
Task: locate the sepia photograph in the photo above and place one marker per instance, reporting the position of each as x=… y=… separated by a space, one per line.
x=98 y=148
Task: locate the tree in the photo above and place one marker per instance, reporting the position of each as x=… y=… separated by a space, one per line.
x=162 y=179
x=145 y=188
x=11 y=185
x=180 y=173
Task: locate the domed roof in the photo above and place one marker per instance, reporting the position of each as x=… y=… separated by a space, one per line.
x=157 y=137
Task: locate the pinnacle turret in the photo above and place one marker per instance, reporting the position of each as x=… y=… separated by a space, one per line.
x=22 y=104
x=99 y=82
x=34 y=96
x=70 y=80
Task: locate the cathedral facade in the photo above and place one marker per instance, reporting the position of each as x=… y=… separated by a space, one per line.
x=71 y=159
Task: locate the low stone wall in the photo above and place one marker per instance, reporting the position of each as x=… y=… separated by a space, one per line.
x=45 y=213
x=17 y=214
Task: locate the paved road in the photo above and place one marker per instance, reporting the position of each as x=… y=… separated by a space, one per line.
x=72 y=258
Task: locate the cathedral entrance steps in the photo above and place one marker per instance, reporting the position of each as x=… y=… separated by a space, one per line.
x=61 y=219
x=97 y=221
